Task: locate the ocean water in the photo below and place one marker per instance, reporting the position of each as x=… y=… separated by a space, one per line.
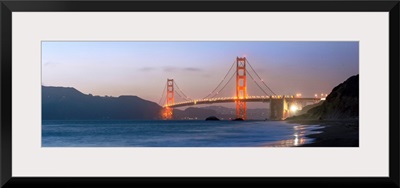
x=174 y=134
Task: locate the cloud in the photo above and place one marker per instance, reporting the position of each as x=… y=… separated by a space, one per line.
x=186 y=69
x=147 y=69
x=170 y=69
x=192 y=69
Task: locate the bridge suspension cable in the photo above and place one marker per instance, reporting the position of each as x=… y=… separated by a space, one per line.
x=260 y=78
x=257 y=84
x=180 y=96
x=224 y=85
x=185 y=97
x=162 y=96
x=221 y=82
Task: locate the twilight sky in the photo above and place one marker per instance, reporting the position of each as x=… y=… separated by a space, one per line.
x=142 y=68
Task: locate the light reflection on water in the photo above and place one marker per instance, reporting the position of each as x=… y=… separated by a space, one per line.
x=299 y=137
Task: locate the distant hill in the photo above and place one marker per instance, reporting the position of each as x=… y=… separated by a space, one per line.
x=220 y=112
x=252 y=113
x=341 y=103
x=66 y=103
x=194 y=113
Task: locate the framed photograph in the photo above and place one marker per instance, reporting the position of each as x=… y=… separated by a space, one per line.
x=125 y=93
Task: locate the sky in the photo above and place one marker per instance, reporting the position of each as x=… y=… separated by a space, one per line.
x=142 y=68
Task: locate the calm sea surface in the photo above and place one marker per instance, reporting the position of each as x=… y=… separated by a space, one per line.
x=174 y=134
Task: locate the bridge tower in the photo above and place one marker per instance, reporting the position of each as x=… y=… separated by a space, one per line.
x=170 y=91
x=168 y=111
x=241 y=87
x=279 y=108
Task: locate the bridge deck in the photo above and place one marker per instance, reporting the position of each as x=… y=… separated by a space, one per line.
x=233 y=99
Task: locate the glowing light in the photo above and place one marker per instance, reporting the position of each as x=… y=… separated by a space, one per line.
x=296 y=140
x=294 y=108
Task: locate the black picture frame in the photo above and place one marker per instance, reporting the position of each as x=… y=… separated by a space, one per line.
x=7 y=7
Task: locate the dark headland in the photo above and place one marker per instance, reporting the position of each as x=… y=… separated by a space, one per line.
x=212 y=118
x=337 y=116
x=67 y=103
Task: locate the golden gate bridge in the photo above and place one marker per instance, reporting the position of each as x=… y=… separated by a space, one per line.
x=279 y=104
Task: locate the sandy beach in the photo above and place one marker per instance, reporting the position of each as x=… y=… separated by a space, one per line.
x=335 y=133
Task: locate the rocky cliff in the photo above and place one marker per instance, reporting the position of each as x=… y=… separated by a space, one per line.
x=341 y=103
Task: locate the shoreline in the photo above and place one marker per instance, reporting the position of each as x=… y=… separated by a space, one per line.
x=334 y=133
x=300 y=136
